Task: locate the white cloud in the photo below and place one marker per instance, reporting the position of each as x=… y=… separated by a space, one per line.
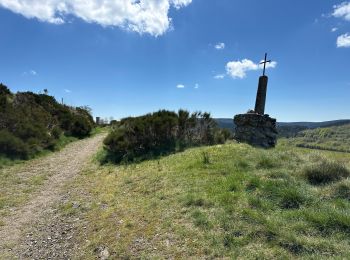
x=343 y=40
x=30 y=73
x=180 y=3
x=67 y=91
x=180 y=86
x=334 y=29
x=239 y=69
x=196 y=86
x=219 y=76
x=220 y=46
x=141 y=16
x=342 y=11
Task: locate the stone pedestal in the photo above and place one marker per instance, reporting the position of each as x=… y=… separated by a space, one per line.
x=256 y=130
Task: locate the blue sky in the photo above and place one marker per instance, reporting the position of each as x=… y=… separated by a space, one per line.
x=171 y=54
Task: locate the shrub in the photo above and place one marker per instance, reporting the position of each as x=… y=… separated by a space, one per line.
x=30 y=123
x=222 y=135
x=81 y=127
x=159 y=133
x=326 y=172
x=56 y=132
x=12 y=147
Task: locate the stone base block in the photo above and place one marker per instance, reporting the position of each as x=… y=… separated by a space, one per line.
x=256 y=130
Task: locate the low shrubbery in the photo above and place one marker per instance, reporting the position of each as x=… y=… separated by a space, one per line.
x=160 y=133
x=326 y=172
x=31 y=123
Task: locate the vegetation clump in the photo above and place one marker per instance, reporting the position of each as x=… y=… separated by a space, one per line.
x=342 y=191
x=161 y=133
x=326 y=172
x=292 y=199
x=31 y=123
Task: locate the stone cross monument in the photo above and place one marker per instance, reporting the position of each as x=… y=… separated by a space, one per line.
x=255 y=127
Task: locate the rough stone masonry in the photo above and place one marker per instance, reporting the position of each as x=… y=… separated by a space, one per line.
x=255 y=127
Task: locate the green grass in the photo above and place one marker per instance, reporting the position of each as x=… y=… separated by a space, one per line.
x=98 y=130
x=226 y=201
x=335 y=138
x=6 y=162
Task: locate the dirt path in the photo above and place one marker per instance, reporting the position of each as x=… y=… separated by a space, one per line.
x=62 y=167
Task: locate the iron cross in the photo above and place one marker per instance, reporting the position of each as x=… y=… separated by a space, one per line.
x=265 y=62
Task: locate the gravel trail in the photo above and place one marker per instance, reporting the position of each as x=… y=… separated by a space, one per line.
x=62 y=167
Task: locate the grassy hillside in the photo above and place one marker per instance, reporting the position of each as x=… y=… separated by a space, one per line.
x=335 y=138
x=230 y=201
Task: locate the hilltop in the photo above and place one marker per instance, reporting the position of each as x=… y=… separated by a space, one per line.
x=223 y=201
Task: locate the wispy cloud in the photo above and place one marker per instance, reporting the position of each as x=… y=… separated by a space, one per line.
x=67 y=91
x=343 y=41
x=30 y=73
x=196 y=86
x=334 y=29
x=220 y=46
x=219 y=76
x=151 y=16
x=180 y=86
x=239 y=69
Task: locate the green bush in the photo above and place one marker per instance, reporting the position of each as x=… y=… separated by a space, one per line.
x=222 y=135
x=326 y=172
x=31 y=123
x=159 y=133
x=81 y=127
x=13 y=147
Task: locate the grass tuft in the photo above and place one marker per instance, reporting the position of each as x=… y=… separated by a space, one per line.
x=326 y=172
x=342 y=191
x=266 y=163
x=200 y=219
x=192 y=201
x=291 y=198
x=205 y=158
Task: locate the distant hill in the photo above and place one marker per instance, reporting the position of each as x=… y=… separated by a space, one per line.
x=288 y=129
x=334 y=138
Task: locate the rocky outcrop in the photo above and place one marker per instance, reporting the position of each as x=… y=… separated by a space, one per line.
x=256 y=130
